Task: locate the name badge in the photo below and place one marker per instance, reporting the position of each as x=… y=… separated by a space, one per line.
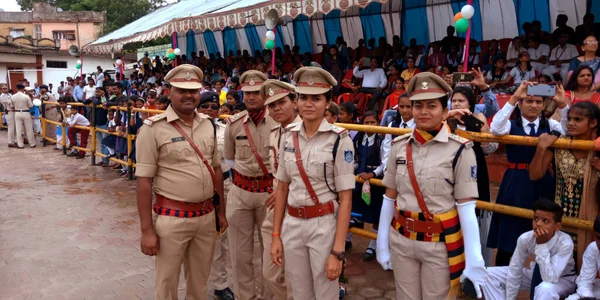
x=401 y=161
x=241 y=137
x=177 y=139
x=289 y=149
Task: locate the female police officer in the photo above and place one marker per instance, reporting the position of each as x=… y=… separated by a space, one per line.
x=437 y=174
x=316 y=170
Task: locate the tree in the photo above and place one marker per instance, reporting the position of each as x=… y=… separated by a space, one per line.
x=118 y=13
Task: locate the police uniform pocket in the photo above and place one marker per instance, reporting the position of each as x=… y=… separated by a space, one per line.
x=242 y=149
x=320 y=163
x=182 y=153
x=441 y=179
x=209 y=146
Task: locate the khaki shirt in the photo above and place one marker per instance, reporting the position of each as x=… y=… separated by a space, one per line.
x=317 y=159
x=221 y=143
x=439 y=183
x=21 y=101
x=237 y=147
x=5 y=100
x=51 y=109
x=162 y=153
x=274 y=142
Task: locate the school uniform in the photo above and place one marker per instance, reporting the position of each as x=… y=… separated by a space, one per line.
x=554 y=263
x=367 y=160
x=588 y=285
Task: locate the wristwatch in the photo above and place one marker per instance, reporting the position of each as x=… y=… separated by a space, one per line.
x=339 y=255
x=487 y=88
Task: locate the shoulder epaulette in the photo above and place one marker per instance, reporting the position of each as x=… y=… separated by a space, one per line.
x=236 y=117
x=153 y=119
x=291 y=126
x=460 y=139
x=276 y=127
x=401 y=137
x=337 y=129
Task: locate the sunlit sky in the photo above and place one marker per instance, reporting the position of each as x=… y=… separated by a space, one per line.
x=10 y=5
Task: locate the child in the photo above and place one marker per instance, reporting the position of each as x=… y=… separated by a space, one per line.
x=226 y=109
x=109 y=140
x=348 y=115
x=239 y=108
x=77 y=119
x=588 y=286
x=64 y=113
x=232 y=98
x=552 y=275
x=163 y=102
x=332 y=113
x=358 y=98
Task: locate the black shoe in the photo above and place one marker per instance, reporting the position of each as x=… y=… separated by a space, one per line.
x=224 y=294
x=348 y=246
x=356 y=223
x=72 y=154
x=369 y=255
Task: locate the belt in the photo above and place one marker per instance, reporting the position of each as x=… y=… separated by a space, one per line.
x=307 y=212
x=518 y=166
x=261 y=184
x=18 y=110
x=226 y=175
x=11 y=110
x=418 y=226
x=167 y=207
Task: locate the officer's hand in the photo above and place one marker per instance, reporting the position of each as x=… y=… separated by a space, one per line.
x=223 y=224
x=149 y=242
x=270 y=202
x=277 y=251
x=333 y=267
x=477 y=275
x=383 y=257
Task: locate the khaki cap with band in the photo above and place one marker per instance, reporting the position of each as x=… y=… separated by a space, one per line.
x=427 y=86
x=185 y=76
x=251 y=80
x=313 y=81
x=273 y=90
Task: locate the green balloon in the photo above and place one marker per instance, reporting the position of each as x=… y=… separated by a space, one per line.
x=270 y=44
x=78 y=66
x=171 y=56
x=461 y=25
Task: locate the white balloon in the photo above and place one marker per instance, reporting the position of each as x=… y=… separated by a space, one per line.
x=467 y=11
x=177 y=51
x=118 y=62
x=271 y=35
x=37 y=102
x=78 y=61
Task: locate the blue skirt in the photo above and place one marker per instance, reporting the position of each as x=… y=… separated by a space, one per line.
x=121 y=145
x=517 y=190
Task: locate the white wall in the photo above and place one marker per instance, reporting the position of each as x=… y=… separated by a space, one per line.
x=55 y=76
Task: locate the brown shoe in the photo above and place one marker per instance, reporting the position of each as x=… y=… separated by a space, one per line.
x=99 y=164
x=13 y=146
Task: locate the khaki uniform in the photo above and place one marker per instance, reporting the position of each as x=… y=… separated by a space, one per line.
x=52 y=115
x=24 y=125
x=10 y=118
x=163 y=154
x=307 y=243
x=221 y=263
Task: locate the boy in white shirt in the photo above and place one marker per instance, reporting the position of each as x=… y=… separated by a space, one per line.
x=551 y=275
x=588 y=286
x=77 y=119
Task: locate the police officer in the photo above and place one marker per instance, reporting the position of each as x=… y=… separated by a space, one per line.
x=315 y=181
x=178 y=160
x=51 y=111
x=22 y=103
x=281 y=103
x=246 y=150
x=221 y=263
x=10 y=115
x=436 y=173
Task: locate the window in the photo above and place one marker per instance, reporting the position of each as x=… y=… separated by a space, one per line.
x=63 y=35
x=17 y=32
x=37 y=28
x=56 y=64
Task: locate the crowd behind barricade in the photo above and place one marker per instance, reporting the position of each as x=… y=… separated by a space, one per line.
x=373 y=89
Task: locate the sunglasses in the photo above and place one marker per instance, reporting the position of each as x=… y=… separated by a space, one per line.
x=211 y=106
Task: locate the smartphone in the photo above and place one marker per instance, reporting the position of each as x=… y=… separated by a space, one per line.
x=472 y=123
x=542 y=90
x=366 y=62
x=462 y=77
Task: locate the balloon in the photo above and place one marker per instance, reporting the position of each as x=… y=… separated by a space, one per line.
x=270 y=44
x=118 y=62
x=177 y=51
x=78 y=66
x=271 y=35
x=170 y=51
x=267 y=40
x=467 y=11
x=37 y=102
x=78 y=62
x=461 y=25
x=457 y=17
x=172 y=56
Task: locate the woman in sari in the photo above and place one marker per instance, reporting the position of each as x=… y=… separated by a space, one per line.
x=589 y=58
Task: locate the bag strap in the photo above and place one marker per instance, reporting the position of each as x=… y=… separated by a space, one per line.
x=309 y=187
x=262 y=165
x=189 y=140
x=415 y=184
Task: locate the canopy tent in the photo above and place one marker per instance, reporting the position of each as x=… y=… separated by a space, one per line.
x=222 y=25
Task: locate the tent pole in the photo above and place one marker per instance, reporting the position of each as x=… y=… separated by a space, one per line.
x=273 y=53
x=467 y=40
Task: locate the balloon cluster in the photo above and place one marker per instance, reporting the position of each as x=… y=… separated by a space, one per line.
x=270 y=40
x=78 y=64
x=118 y=62
x=172 y=53
x=461 y=19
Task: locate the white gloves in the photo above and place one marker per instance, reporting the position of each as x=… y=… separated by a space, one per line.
x=383 y=234
x=475 y=265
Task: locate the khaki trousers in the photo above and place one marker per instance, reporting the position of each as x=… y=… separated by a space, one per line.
x=420 y=268
x=190 y=241
x=24 y=126
x=245 y=211
x=307 y=244
x=51 y=115
x=12 y=127
x=221 y=263
x=274 y=276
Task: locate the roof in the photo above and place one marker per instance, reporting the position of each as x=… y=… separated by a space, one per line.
x=15 y=50
x=16 y=17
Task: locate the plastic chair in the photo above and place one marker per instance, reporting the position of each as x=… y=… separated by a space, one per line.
x=504 y=44
x=387 y=105
x=345 y=97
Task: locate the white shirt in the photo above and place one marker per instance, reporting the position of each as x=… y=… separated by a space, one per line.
x=78 y=120
x=555 y=259
x=512 y=53
x=566 y=53
x=369 y=141
x=151 y=80
x=587 y=274
x=371 y=79
x=518 y=75
x=89 y=91
x=386 y=145
x=100 y=80
x=542 y=50
x=501 y=125
x=220 y=144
